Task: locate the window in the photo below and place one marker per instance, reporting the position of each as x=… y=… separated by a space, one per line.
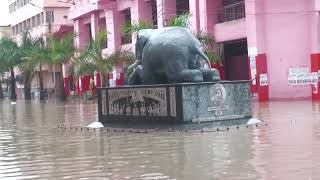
x=126 y=39
x=28 y=23
x=182 y=7
x=13 y=30
x=42 y=19
x=17 y=29
x=33 y=21
x=49 y=16
x=154 y=12
x=24 y=26
x=38 y=20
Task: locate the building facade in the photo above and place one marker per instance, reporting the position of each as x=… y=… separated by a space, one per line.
x=5 y=31
x=274 y=43
x=42 y=18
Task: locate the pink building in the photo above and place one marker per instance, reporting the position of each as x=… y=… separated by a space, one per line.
x=42 y=18
x=272 y=42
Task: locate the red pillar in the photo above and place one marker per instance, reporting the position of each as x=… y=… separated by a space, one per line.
x=262 y=71
x=120 y=80
x=315 y=67
x=77 y=87
x=98 y=80
x=66 y=86
x=85 y=81
x=221 y=70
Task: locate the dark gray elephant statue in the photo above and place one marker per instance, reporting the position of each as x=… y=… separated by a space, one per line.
x=170 y=55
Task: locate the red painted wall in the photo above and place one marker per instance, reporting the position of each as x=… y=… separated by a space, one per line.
x=315 y=67
x=263 y=91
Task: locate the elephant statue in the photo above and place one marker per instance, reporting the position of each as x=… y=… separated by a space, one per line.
x=170 y=55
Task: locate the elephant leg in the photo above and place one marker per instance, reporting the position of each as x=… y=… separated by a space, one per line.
x=149 y=76
x=136 y=77
x=210 y=75
x=189 y=75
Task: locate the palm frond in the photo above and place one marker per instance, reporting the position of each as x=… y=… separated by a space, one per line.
x=182 y=20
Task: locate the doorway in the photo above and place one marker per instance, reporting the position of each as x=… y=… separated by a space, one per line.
x=236 y=60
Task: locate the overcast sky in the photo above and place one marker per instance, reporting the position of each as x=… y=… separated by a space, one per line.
x=4 y=12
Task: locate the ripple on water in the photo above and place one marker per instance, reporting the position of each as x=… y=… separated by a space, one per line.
x=31 y=146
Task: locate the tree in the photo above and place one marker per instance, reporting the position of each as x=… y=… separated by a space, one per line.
x=92 y=60
x=29 y=65
x=131 y=28
x=2 y=72
x=36 y=54
x=181 y=21
x=10 y=56
x=211 y=48
x=62 y=50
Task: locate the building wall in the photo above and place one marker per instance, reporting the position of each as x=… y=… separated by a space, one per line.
x=285 y=33
x=285 y=30
x=26 y=13
x=5 y=31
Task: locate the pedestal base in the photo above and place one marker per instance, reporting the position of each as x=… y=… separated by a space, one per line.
x=176 y=103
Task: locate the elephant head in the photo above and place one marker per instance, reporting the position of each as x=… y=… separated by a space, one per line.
x=142 y=38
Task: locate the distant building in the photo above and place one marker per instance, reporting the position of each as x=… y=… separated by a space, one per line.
x=42 y=18
x=4 y=31
x=281 y=37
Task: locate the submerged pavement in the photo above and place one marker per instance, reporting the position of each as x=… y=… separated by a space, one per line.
x=50 y=141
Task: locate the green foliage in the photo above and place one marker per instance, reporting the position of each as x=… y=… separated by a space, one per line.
x=10 y=54
x=181 y=20
x=30 y=55
x=210 y=46
x=213 y=57
x=131 y=28
x=62 y=50
x=91 y=59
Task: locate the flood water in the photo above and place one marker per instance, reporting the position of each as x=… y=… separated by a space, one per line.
x=33 y=147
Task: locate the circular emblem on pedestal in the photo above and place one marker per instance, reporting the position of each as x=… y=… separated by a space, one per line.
x=218 y=95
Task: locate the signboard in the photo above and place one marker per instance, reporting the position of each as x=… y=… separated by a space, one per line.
x=138 y=102
x=298 y=76
x=253 y=69
x=263 y=80
x=252 y=51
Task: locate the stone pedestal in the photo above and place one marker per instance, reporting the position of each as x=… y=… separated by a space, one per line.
x=178 y=103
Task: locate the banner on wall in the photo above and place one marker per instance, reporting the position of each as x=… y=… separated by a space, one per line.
x=299 y=76
x=263 y=80
x=253 y=69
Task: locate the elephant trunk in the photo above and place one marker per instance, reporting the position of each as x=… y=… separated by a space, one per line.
x=135 y=64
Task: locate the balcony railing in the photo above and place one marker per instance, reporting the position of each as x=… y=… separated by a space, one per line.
x=232 y=12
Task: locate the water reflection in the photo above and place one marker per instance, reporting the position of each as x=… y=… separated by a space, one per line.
x=31 y=146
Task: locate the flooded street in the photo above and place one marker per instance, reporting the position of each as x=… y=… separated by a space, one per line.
x=32 y=146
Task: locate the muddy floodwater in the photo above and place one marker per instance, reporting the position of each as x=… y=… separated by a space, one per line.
x=33 y=147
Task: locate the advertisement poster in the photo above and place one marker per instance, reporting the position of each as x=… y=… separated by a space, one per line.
x=253 y=69
x=263 y=80
x=299 y=76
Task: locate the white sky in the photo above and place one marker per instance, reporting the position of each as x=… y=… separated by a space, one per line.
x=4 y=12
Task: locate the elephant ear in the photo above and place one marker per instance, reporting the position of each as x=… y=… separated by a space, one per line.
x=142 y=38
